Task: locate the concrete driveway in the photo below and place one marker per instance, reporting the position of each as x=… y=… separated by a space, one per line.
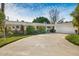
x=41 y=45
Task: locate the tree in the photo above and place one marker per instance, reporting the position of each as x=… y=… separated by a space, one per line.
x=41 y=20
x=2 y=7
x=75 y=15
x=61 y=20
x=2 y=17
x=41 y=29
x=54 y=15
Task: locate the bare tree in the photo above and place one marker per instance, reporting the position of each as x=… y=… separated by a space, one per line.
x=61 y=20
x=54 y=15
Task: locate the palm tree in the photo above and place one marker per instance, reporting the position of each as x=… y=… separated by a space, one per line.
x=75 y=15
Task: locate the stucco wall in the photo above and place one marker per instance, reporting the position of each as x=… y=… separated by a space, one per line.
x=65 y=28
x=60 y=28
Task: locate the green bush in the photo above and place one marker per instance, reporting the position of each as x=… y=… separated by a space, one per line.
x=41 y=29
x=18 y=33
x=30 y=30
x=74 y=38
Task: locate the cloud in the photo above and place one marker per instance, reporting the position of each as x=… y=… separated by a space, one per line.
x=24 y=13
x=15 y=13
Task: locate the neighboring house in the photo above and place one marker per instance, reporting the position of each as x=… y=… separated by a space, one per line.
x=21 y=26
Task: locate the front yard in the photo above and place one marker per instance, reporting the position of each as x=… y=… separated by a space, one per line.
x=73 y=38
x=11 y=39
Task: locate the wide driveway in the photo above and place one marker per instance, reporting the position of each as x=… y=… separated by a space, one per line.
x=41 y=45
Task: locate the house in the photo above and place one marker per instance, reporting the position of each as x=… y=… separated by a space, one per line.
x=22 y=26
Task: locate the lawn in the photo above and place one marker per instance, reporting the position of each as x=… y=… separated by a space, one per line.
x=11 y=39
x=73 y=38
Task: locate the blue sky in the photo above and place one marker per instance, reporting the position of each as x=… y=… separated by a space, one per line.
x=29 y=11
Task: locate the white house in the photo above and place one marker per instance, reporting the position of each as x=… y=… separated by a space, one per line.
x=60 y=28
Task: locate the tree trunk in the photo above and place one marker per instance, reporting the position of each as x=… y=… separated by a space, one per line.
x=78 y=31
x=2 y=7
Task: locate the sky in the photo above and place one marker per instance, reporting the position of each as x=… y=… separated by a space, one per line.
x=29 y=11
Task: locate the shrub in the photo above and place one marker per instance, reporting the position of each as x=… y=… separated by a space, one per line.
x=74 y=38
x=1 y=34
x=18 y=33
x=41 y=29
x=30 y=30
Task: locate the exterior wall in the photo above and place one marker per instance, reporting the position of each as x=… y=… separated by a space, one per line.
x=26 y=23
x=60 y=28
x=65 y=28
x=13 y=28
